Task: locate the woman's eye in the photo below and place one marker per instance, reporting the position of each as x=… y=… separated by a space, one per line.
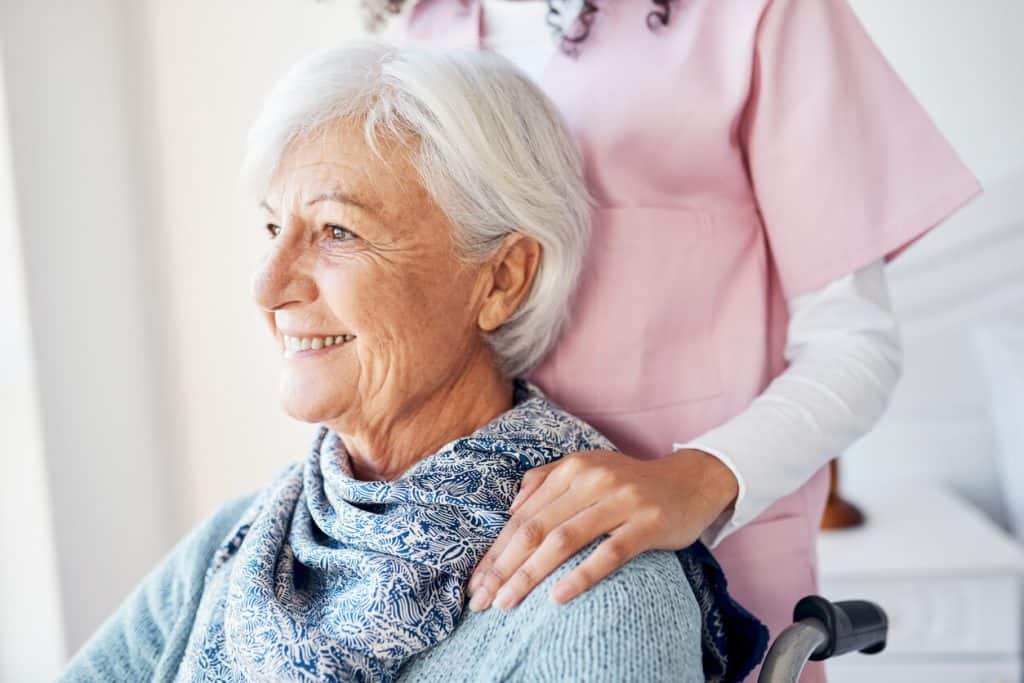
x=339 y=233
x=273 y=230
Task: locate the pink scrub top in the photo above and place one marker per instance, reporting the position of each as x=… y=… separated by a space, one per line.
x=748 y=152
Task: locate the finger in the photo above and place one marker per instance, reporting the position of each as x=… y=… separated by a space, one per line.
x=554 y=479
x=483 y=576
x=562 y=542
x=529 y=536
x=549 y=489
x=531 y=484
x=522 y=541
x=622 y=545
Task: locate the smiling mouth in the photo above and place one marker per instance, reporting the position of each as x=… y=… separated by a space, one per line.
x=296 y=347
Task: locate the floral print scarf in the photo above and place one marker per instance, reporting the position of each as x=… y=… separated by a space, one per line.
x=336 y=578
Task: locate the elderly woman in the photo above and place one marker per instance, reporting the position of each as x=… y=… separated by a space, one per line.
x=427 y=220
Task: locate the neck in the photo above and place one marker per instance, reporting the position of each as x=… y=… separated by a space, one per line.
x=387 y=448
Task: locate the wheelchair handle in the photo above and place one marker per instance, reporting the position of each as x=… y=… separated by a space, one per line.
x=849 y=624
x=823 y=629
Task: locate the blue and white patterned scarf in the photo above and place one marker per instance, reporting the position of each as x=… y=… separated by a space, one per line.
x=328 y=577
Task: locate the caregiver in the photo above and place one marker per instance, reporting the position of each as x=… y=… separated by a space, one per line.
x=754 y=164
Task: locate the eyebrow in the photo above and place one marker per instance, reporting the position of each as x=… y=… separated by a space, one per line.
x=333 y=196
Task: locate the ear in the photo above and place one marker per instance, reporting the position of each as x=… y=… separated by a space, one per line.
x=511 y=271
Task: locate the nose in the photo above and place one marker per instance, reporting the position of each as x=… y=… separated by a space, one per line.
x=280 y=279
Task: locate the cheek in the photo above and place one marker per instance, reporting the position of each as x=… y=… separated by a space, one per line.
x=402 y=311
x=347 y=296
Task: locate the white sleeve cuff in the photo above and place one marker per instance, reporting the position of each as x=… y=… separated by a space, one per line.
x=733 y=517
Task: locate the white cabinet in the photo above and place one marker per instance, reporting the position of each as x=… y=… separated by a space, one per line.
x=949 y=580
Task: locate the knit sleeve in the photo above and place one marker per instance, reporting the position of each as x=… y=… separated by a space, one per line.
x=141 y=640
x=641 y=623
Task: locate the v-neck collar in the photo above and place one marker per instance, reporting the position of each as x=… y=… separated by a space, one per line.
x=454 y=24
x=462 y=26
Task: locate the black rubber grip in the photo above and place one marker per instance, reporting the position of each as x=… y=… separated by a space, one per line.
x=851 y=625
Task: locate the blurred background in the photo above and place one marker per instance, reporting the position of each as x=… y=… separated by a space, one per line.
x=138 y=385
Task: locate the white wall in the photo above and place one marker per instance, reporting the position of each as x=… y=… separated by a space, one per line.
x=970 y=273
x=70 y=95
x=964 y=63
x=30 y=621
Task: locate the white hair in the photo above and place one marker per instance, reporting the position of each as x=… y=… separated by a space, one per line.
x=490 y=148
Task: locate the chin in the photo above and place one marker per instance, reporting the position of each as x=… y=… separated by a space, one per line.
x=307 y=413
x=305 y=407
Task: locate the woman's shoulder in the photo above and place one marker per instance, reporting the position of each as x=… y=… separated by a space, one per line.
x=647 y=599
x=144 y=637
x=214 y=529
x=541 y=415
x=658 y=570
x=218 y=535
x=183 y=569
x=640 y=622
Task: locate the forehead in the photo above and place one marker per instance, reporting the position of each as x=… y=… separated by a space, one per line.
x=339 y=156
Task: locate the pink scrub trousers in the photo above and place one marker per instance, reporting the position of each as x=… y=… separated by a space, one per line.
x=783 y=536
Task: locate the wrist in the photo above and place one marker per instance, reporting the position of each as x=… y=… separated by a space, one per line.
x=717 y=483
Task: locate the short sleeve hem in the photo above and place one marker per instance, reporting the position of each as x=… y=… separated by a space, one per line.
x=901 y=234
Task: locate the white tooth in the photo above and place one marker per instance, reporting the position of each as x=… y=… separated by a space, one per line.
x=340 y=338
x=294 y=343
x=328 y=341
x=317 y=343
x=305 y=343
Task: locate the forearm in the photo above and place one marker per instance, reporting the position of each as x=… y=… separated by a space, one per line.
x=845 y=360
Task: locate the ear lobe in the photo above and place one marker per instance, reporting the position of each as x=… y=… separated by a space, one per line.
x=512 y=270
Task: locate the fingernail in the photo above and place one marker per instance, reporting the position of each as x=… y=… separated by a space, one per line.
x=479 y=600
x=561 y=593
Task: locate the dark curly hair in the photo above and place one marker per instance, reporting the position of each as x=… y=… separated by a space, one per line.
x=377 y=13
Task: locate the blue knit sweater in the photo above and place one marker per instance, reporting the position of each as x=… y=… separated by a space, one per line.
x=642 y=623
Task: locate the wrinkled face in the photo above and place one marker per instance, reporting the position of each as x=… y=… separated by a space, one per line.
x=361 y=268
